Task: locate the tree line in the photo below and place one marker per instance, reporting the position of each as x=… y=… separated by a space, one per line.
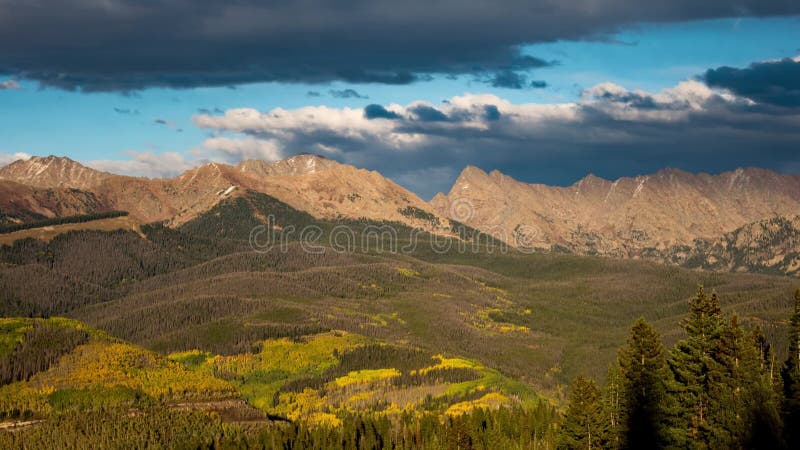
x=163 y=428
x=718 y=388
x=82 y=218
x=41 y=346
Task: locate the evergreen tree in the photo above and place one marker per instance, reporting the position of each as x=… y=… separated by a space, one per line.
x=733 y=384
x=763 y=417
x=613 y=403
x=585 y=425
x=791 y=380
x=458 y=437
x=769 y=369
x=691 y=362
x=643 y=373
x=721 y=393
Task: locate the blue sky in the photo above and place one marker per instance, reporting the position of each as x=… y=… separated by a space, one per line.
x=109 y=125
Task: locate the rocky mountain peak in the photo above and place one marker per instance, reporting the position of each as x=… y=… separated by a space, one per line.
x=51 y=172
x=441 y=204
x=300 y=164
x=627 y=216
x=470 y=178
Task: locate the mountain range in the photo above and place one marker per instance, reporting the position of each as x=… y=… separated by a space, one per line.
x=672 y=216
x=743 y=220
x=322 y=187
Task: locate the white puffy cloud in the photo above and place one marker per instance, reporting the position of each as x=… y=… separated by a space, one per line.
x=420 y=123
x=145 y=164
x=278 y=127
x=7 y=158
x=236 y=150
x=283 y=124
x=9 y=85
x=608 y=130
x=673 y=104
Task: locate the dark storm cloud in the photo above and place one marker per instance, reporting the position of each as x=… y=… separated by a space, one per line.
x=514 y=80
x=773 y=82
x=538 y=84
x=125 y=45
x=635 y=100
x=346 y=93
x=425 y=113
x=379 y=112
x=509 y=79
x=492 y=113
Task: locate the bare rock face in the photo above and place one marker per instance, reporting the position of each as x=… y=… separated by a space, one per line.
x=628 y=217
x=330 y=190
x=322 y=187
x=302 y=164
x=52 y=172
x=766 y=246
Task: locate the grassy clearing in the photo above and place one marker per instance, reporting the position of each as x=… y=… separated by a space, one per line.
x=47 y=233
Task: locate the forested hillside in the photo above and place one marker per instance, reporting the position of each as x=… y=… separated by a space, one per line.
x=447 y=343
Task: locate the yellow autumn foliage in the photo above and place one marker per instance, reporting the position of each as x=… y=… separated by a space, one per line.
x=449 y=363
x=411 y=273
x=109 y=364
x=21 y=397
x=302 y=404
x=324 y=420
x=511 y=328
x=366 y=376
x=258 y=376
x=491 y=400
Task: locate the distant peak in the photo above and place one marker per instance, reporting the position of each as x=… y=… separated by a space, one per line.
x=49 y=159
x=43 y=162
x=592 y=179
x=439 y=198
x=52 y=171
x=674 y=172
x=470 y=171
x=471 y=177
x=299 y=164
x=309 y=155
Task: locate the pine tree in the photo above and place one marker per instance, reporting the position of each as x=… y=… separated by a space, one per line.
x=733 y=383
x=643 y=370
x=769 y=369
x=585 y=423
x=763 y=418
x=690 y=362
x=613 y=403
x=458 y=437
x=791 y=380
